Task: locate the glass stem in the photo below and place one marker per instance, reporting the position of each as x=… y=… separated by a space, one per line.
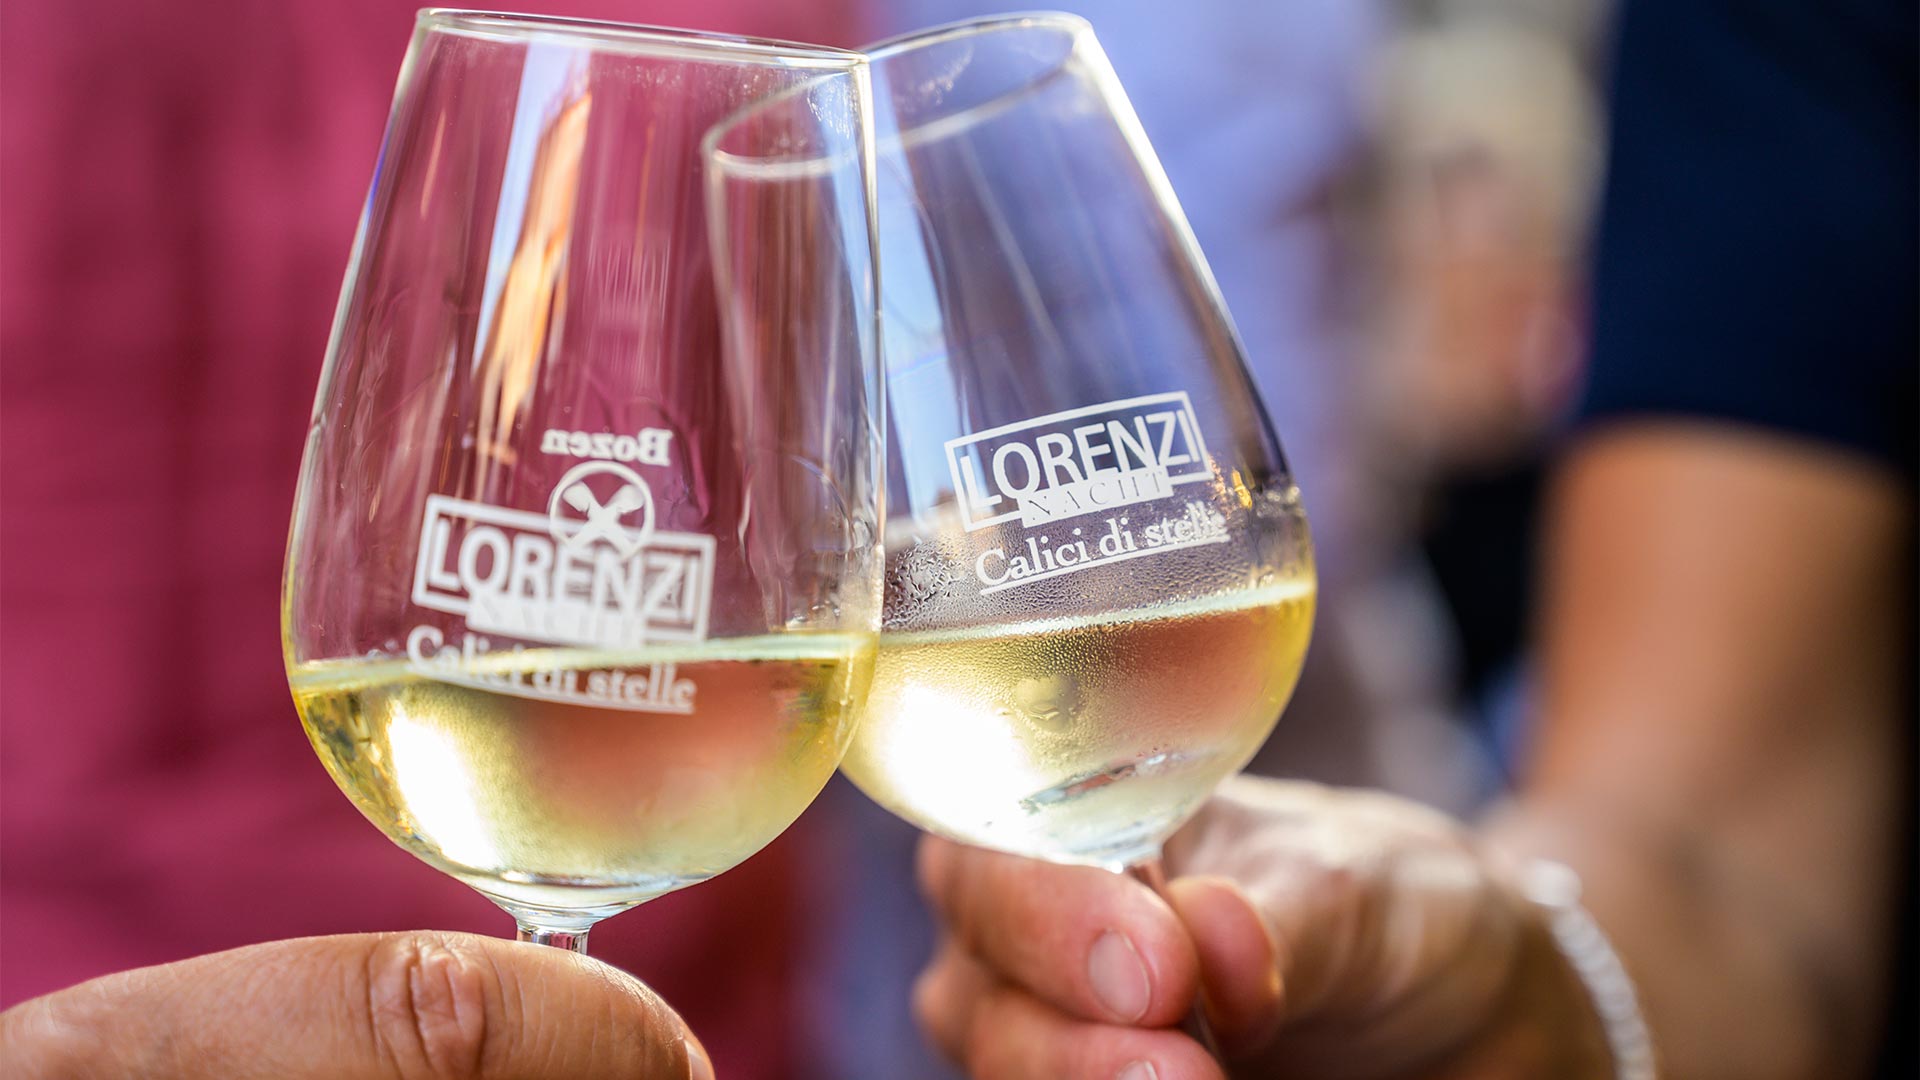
x=1151 y=871
x=572 y=939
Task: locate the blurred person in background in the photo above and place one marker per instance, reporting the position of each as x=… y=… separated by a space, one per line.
x=181 y=184
x=1721 y=749
x=1472 y=212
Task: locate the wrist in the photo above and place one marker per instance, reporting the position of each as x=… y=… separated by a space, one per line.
x=1547 y=1025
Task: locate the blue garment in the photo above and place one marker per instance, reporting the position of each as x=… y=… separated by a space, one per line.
x=1757 y=254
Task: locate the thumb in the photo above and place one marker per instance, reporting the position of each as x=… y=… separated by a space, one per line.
x=1239 y=958
x=423 y=1004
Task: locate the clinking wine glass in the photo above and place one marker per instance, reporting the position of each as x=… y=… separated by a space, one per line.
x=583 y=580
x=1099 y=582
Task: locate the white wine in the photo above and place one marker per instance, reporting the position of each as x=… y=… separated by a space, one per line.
x=1079 y=739
x=574 y=780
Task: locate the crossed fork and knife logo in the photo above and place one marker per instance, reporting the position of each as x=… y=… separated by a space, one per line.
x=601 y=521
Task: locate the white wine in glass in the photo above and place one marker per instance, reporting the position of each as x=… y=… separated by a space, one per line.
x=584 y=576
x=659 y=768
x=1100 y=581
x=1082 y=738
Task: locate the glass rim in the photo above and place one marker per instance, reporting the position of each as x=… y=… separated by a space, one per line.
x=1073 y=25
x=639 y=38
x=782 y=165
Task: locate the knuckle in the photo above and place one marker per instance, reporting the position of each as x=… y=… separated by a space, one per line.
x=428 y=1003
x=999 y=1043
x=44 y=1037
x=926 y=1014
x=933 y=870
x=929 y=1017
x=936 y=1011
x=105 y=1027
x=1339 y=891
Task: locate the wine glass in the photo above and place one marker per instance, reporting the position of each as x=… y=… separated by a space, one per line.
x=1099 y=579
x=583 y=583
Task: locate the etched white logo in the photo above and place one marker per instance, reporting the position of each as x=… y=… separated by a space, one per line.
x=593 y=570
x=592 y=580
x=1082 y=461
x=1118 y=538
x=649 y=446
x=657 y=687
x=600 y=521
x=1061 y=467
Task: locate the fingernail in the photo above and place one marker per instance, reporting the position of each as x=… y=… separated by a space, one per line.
x=1119 y=978
x=698 y=1066
x=1139 y=1070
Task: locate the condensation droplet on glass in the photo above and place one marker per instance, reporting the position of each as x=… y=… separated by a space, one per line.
x=1049 y=702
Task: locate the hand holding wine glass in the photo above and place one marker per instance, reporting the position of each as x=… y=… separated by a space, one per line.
x=1099 y=577
x=1332 y=933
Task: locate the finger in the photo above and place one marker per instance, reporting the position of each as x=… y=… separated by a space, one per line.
x=1239 y=957
x=422 y=1004
x=1016 y=1036
x=944 y=997
x=1096 y=944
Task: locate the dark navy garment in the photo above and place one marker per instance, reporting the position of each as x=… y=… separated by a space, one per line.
x=1757 y=246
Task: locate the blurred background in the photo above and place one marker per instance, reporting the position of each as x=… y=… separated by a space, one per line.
x=1394 y=197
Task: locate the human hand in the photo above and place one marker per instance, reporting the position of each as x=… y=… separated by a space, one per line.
x=394 y=1006
x=1344 y=935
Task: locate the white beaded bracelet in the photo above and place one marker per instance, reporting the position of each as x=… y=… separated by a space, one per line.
x=1556 y=888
